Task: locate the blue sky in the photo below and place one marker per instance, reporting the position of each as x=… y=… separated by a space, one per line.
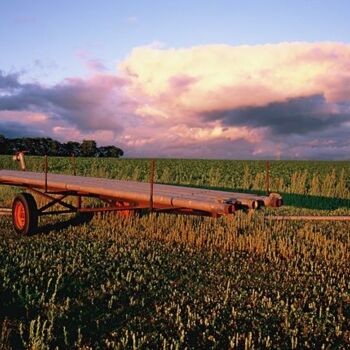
x=46 y=38
x=204 y=79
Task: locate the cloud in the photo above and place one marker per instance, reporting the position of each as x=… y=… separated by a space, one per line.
x=15 y=129
x=275 y=91
x=295 y=116
x=215 y=101
x=23 y=117
x=8 y=82
x=93 y=104
x=94 y=65
x=232 y=77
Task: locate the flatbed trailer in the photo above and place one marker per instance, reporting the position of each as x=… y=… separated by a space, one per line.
x=120 y=196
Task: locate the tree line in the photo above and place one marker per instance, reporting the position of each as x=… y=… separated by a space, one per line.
x=47 y=146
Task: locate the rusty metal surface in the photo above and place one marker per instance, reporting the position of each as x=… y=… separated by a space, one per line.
x=220 y=202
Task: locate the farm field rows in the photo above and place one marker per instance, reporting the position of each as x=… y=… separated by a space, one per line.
x=174 y=282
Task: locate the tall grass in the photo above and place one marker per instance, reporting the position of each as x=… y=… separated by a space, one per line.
x=175 y=282
x=318 y=178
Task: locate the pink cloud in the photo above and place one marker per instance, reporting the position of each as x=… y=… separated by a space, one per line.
x=200 y=101
x=236 y=76
x=25 y=117
x=178 y=86
x=68 y=133
x=94 y=65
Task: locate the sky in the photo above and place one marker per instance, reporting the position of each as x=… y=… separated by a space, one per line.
x=182 y=79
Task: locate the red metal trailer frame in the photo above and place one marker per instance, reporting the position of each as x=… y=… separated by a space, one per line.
x=125 y=197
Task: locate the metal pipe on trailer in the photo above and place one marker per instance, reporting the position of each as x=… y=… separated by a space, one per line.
x=131 y=195
x=179 y=197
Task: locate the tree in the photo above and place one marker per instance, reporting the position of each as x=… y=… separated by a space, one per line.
x=3 y=144
x=40 y=146
x=71 y=147
x=110 y=151
x=88 y=148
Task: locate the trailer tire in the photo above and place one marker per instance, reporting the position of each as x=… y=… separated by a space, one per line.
x=24 y=214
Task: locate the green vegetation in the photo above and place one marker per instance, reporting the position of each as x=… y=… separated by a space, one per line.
x=50 y=147
x=174 y=282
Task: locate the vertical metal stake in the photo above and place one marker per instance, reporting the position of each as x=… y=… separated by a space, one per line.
x=46 y=169
x=22 y=161
x=79 y=202
x=151 y=185
x=74 y=165
x=267 y=177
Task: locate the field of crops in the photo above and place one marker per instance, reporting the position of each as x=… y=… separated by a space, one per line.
x=175 y=282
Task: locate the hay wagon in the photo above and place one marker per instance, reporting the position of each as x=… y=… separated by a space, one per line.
x=125 y=197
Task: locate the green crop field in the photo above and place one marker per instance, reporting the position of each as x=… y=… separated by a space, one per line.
x=177 y=282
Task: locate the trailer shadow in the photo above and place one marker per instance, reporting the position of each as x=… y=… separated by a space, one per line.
x=314 y=202
x=61 y=225
x=307 y=201
x=291 y=199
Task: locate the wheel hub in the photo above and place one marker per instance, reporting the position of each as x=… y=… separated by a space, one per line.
x=20 y=215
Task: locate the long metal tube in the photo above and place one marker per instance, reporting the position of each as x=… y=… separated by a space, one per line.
x=163 y=195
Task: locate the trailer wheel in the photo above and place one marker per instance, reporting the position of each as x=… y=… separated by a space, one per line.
x=24 y=214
